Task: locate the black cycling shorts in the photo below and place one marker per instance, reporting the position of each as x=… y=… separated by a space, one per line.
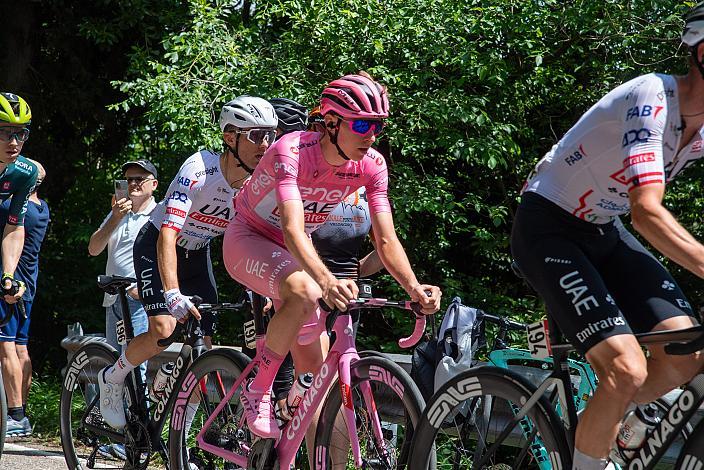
x=597 y=280
x=194 y=271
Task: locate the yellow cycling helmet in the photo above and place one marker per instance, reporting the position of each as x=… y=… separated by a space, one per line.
x=14 y=110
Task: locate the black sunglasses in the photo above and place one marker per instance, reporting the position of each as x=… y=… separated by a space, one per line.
x=137 y=179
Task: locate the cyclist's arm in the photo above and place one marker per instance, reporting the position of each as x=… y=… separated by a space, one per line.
x=370 y=264
x=657 y=225
x=299 y=243
x=396 y=262
x=391 y=253
x=166 y=256
x=12 y=245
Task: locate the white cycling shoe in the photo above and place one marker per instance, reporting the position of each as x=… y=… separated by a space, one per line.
x=111 y=402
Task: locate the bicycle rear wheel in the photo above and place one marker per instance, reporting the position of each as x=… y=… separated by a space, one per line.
x=204 y=386
x=471 y=422
x=86 y=439
x=397 y=402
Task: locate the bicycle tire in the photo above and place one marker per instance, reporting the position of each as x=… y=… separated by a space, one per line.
x=400 y=407
x=225 y=430
x=78 y=442
x=465 y=399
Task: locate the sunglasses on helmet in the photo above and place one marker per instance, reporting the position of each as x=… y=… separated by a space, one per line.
x=257 y=136
x=362 y=126
x=6 y=135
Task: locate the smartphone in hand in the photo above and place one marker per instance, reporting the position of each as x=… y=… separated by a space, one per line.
x=121 y=189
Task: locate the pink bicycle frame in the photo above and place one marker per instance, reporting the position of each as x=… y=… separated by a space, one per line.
x=337 y=363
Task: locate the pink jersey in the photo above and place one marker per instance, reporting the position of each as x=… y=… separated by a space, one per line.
x=294 y=169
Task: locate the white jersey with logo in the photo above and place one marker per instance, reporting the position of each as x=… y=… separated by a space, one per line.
x=629 y=138
x=198 y=203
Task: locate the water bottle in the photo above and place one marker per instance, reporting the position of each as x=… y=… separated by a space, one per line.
x=295 y=396
x=159 y=382
x=633 y=431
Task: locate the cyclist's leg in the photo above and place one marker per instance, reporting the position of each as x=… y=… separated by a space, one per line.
x=11 y=368
x=144 y=346
x=651 y=300
x=161 y=324
x=268 y=269
x=555 y=251
x=23 y=353
x=309 y=358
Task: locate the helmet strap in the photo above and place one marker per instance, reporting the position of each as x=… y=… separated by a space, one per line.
x=333 y=138
x=235 y=153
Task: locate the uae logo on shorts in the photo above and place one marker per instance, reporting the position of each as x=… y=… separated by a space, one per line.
x=667 y=285
x=275 y=254
x=6 y=185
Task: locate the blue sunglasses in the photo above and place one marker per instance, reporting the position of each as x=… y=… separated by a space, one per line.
x=362 y=126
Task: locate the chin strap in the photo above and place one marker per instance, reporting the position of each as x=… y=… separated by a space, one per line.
x=333 y=138
x=235 y=154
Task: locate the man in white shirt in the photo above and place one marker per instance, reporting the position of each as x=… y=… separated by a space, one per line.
x=118 y=232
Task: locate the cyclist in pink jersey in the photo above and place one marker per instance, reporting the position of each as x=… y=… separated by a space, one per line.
x=267 y=247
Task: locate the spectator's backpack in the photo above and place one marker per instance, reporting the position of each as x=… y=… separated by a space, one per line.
x=440 y=358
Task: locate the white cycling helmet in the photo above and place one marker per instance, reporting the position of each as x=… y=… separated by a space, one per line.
x=248 y=112
x=693 y=32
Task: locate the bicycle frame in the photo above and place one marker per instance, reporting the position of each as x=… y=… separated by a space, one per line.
x=587 y=379
x=136 y=398
x=337 y=363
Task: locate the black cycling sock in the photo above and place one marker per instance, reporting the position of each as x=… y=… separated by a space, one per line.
x=24 y=408
x=16 y=413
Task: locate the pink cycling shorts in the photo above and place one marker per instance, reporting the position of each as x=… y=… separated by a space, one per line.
x=261 y=264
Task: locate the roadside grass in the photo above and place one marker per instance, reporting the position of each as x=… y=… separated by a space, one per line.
x=43 y=406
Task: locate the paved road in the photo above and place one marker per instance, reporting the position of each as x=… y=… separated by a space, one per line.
x=29 y=455
x=37 y=454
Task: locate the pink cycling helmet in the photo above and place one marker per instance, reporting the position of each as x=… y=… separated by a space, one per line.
x=355 y=96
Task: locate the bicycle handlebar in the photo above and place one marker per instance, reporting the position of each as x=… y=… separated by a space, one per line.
x=505 y=322
x=415 y=307
x=682 y=349
x=191 y=325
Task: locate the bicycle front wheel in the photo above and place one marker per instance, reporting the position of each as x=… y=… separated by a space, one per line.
x=382 y=393
x=472 y=423
x=86 y=439
x=204 y=387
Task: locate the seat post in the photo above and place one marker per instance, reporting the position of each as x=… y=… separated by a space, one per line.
x=126 y=315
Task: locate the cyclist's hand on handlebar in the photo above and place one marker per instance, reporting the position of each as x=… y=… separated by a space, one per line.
x=179 y=305
x=427 y=296
x=13 y=290
x=339 y=293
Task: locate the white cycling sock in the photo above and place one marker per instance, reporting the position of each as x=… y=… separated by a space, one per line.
x=117 y=373
x=584 y=462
